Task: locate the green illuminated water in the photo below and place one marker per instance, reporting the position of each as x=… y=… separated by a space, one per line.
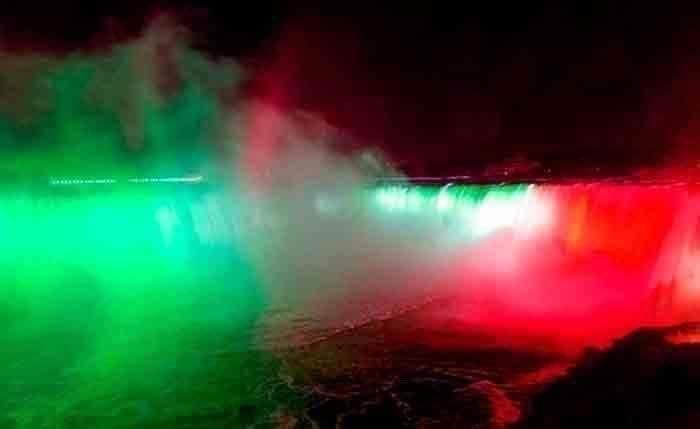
x=118 y=308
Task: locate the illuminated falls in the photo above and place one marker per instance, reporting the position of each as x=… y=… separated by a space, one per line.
x=583 y=261
x=573 y=251
x=536 y=252
x=112 y=281
x=580 y=262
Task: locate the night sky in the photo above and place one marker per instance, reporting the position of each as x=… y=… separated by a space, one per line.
x=442 y=91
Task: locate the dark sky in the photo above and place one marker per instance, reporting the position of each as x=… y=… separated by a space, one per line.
x=443 y=90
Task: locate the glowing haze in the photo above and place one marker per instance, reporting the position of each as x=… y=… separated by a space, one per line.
x=145 y=213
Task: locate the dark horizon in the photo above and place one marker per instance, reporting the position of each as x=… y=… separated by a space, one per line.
x=587 y=88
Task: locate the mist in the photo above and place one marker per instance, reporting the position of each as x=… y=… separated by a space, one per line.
x=161 y=227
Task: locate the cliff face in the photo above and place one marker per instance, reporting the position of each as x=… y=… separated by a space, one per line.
x=648 y=379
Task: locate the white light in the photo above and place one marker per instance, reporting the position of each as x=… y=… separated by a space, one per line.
x=392 y=198
x=536 y=212
x=444 y=201
x=495 y=213
x=526 y=213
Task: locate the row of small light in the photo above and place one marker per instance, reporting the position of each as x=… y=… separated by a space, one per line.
x=81 y=181
x=61 y=182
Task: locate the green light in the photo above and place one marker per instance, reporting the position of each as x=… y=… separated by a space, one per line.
x=113 y=294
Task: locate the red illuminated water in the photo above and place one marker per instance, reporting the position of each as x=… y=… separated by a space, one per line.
x=604 y=259
x=614 y=257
